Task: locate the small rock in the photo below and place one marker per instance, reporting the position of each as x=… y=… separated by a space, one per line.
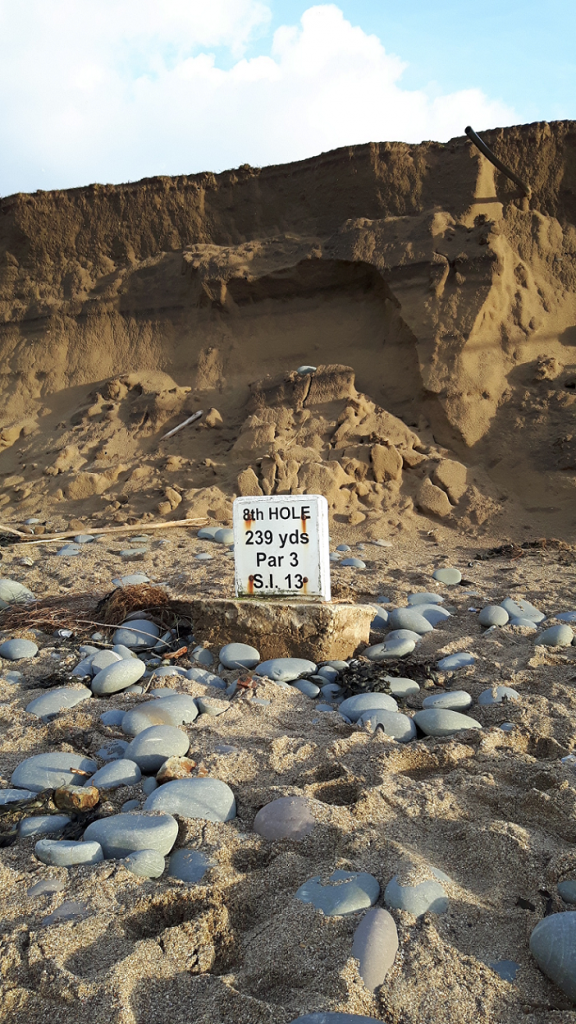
x=145 y=863
x=46 y=886
x=149 y=785
x=121 y=772
x=520 y=608
x=329 y=672
x=433 y=613
x=132 y=580
x=68 y=551
x=440 y=722
x=342 y=547
x=506 y=969
x=77 y=798
x=112 y=717
x=50 y=771
x=118 y=676
x=202 y=656
x=129 y=805
x=450 y=577
x=567 y=890
x=285 y=670
x=208 y=532
x=152 y=747
x=15 y=796
x=345 y=892
x=566 y=616
x=524 y=623
x=189 y=865
x=497 y=694
x=42 y=824
x=424 y=898
x=58 y=699
x=173 y=768
x=353 y=563
x=224 y=536
x=401 y=686
x=137 y=633
x=239 y=656
x=12 y=592
x=455 y=661
x=122 y=834
x=205 y=798
x=400 y=727
x=102 y=660
x=305 y=370
x=306 y=687
x=70 y=910
x=454 y=700
x=375 y=946
x=362 y=703
x=64 y=853
x=203 y=556
x=212 y=707
x=553 y=945
x=200 y=675
x=423 y=597
x=409 y=618
x=289 y=817
x=17 y=649
x=554 y=636
x=174 y=710
x=390 y=650
x=493 y=615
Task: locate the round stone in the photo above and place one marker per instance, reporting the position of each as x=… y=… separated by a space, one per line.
x=70 y=910
x=68 y=551
x=402 y=634
x=224 y=536
x=289 y=817
x=423 y=597
x=306 y=687
x=305 y=370
x=555 y=636
x=567 y=890
x=497 y=694
x=448 y=576
x=524 y=623
x=17 y=649
x=426 y=897
x=150 y=748
x=204 y=556
x=361 y=703
x=84 y=538
x=202 y=656
x=342 y=547
x=145 y=863
x=50 y=771
x=380 y=621
x=519 y=608
x=345 y=893
x=42 y=824
x=285 y=670
x=401 y=686
x=189 y=865
x=553 y=945
x=208 y=532
x=46 y=886
x=433 y=613
x=212 y=707
x=409 y=618
x=56 y=700
x=375 y=946
x=353 y=563
x=200 y=675
x=566 y=616
x=64 y=853
x=117 y=773
x=122 y=834
x=12 y=592
x=209 y=799
x=118 y=676
x=175 y=710
x=454 y=700
x=112 y=717
x=493 y=615
x=133 y=579
x=15 y=796
x=452 y=662
x=239 y=656
x=400 y=727
x=441 y=722
x=137 y=633
x=390 y=650
x=102 y=660
x=130 y=805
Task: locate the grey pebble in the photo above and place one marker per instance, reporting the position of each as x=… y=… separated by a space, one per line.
x=506 y=969
x=174 y=710
x=137 y=634
x=205 y=798
x=342 y=547
x=440 y=722
x=84 y=538
x=289 y=817
x=45 y=887
x=189 y=865
x=426 y=897
x=285 y=670
x=132 y=580
x=330 y=691
x=122 y=834
x=64 y=853
x=122 y=772
x=401 y=686
x=450 y=577
x=454 y=700
x=42 y=824
x=49 y=771
x=389 y=650
x=361 y=703
x=308 y=688
x=524 y=623
x=554 y=636
x=113 y=717
x=208 y=532
x=12 y=592
x=129 y=805
x=155 y=745
x=409 y=618
x=58 y=699
x=203 y=556
x=567 y=890
x=455 y=661
x=17 y=649
x=553 y=945
x=400 y=727
x=239 y=656
x=212 y=707
x=566 y=616
x=145 y=863
x=202 y=656
x=70 y=910
x=520 y=608
x=102 y=660
x=434 y=613
x=496 y=694
x=200 y=675
x=345 y=892
x=149 y=785
x=353 y=563
x=69 y=551
x=375 y=946
x=224 y=536
x=493 y=615
x=13 y=796
x=425 y=598
x=330 y=673
x=305 y=370
x=118 y=676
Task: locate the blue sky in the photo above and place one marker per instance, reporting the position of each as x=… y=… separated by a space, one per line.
x=117 y=90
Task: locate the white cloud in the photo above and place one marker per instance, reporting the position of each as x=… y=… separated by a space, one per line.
x=116 y=90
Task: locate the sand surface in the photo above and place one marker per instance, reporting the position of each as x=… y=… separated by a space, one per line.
x=439 y=309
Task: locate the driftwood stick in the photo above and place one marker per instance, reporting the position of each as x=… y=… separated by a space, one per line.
x=116 y=529
x=9 y=529
x=195 y=416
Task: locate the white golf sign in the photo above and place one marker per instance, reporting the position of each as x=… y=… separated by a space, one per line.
x=281 y=546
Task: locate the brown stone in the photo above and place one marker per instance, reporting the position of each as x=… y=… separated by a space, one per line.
x=76 y=798
x=176 y=768
x=432 y=500
x=248 y=483
x=284 y=629
x=452 y=477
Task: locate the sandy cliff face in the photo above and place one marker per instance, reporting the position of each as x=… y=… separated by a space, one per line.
x=449 y=298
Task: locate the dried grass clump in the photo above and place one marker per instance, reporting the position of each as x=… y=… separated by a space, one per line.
x=114 y=607
x=64 y=611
